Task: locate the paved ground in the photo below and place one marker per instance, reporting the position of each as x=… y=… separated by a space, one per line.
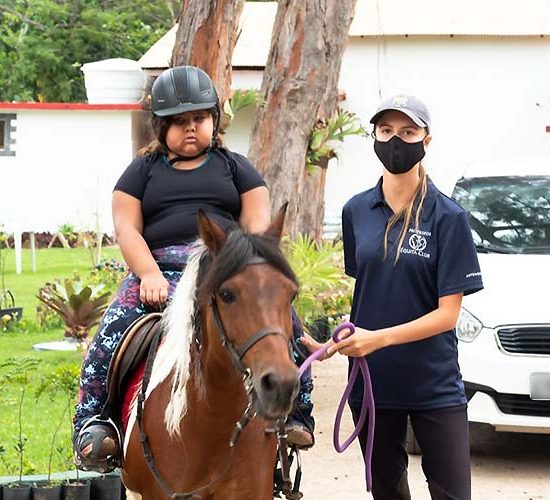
x=504 y=466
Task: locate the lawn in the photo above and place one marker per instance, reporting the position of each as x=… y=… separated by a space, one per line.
x=39 y=417
x=51 y=263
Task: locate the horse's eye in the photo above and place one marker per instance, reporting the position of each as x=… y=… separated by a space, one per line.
x=227 y=295
x=293 y=297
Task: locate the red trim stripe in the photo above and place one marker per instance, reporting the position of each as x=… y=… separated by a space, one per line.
x=80 y=106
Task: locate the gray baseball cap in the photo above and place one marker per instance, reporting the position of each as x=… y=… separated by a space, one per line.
x=410 y=105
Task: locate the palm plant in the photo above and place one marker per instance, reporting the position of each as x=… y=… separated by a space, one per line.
x=80 y=305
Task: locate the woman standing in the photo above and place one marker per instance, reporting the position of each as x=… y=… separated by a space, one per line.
x=410 y=249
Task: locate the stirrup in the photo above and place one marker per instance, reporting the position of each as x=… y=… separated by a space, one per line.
x=97 y=446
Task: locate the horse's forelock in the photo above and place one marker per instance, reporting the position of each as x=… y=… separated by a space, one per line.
x=236 y=254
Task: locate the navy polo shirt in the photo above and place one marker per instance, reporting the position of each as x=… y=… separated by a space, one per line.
x=437 y=259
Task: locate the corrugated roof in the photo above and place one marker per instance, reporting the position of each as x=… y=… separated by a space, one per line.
x=385 y=18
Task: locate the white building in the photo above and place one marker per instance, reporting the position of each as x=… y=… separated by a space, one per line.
x=483 y=68
x=60 y=162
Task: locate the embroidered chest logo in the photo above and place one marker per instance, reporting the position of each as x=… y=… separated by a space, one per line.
x=417 y=243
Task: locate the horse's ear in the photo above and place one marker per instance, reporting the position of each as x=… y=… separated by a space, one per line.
x=211 y=233
x=275 y=229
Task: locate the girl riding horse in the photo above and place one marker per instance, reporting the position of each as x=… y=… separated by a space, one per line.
x=155 y=207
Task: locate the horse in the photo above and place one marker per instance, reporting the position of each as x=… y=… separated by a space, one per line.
x=224 y=357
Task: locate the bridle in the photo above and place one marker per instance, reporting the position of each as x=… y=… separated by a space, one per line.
x=236 y=354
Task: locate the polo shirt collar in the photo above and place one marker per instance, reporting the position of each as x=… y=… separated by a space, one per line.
x=377 y=198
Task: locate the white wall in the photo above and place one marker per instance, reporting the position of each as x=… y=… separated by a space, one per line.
x=489 y=99
x=65 y=167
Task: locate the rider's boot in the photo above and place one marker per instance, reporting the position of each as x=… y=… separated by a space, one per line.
x=300 y=426
x=97 y=446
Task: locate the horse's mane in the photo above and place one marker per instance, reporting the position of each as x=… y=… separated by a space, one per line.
x=203 y=275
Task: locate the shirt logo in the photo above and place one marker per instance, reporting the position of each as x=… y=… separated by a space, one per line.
x=417 y=242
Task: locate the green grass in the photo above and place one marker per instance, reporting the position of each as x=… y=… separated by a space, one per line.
x=40 y=417
x=51 y=263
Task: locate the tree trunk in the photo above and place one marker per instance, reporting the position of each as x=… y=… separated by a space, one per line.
x=300 y=85
x=206 y=36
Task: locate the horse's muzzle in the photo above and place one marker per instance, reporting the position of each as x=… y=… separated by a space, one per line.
x=276 y=393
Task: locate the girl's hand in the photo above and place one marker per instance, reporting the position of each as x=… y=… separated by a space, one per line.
x=153 y=289
x=312 y=345
x=361 y=343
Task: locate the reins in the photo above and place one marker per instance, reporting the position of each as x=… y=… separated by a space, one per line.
x=359 y=363
x=249 y=413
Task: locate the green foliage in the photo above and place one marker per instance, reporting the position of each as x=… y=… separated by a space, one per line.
x=62 y=381
x=43 y=43
x=17 y=372
x=48 y=319
x=241 y=99
x=325 y=133
x=324 y=289
x=40 y=416
x=108 y=273
x=79 y=304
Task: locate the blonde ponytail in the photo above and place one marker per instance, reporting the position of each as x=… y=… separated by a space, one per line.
x=413 y=208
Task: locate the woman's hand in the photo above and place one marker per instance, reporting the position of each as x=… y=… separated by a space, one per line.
x=153 y=289
x=361 y=343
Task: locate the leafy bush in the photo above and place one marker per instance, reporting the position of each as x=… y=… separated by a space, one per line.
x=63 y=380
x=17 y=372
x=47 y=318
x=80 y=305
x=108 y=273
x=325 y=291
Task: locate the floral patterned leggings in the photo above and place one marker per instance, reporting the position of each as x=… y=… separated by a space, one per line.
x=123 y=311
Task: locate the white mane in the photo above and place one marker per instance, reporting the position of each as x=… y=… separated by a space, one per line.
x=174 y=354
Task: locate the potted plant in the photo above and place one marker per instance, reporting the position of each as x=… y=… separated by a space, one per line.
x=8 y=312
x=79 y=304
x=64 y=380
x=17 y=374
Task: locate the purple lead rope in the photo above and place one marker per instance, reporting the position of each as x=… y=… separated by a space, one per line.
x=368 y=401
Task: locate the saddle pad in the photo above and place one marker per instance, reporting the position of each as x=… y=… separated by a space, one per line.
x=129 y=355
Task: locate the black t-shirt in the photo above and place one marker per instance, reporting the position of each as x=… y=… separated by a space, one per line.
x=170 y=198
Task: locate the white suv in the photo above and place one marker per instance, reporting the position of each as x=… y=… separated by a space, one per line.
x=504 y=330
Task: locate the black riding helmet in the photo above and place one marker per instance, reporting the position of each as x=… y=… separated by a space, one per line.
x=184 y=88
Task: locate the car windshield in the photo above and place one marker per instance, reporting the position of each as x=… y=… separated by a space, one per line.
x=507 y=214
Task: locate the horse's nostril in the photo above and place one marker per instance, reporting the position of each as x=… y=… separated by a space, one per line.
x=269 y=382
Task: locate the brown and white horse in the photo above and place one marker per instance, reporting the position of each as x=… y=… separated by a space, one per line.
x=239 y=283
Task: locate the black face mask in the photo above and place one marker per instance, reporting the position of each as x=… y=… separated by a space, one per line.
x=399 y=156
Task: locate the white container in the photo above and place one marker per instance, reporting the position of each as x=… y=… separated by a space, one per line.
x=113 y=81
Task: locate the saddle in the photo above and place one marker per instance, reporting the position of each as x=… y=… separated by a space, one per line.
x=129 y=355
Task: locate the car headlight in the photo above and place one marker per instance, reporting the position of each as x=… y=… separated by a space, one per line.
x=468 y=326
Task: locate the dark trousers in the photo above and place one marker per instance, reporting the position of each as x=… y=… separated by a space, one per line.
x=443 y=437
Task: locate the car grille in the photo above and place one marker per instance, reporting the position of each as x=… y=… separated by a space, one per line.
x=525 y=339
x=519 y=404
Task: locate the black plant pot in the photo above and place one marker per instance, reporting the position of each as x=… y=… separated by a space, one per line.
x=16 y=492
x=45 y=492
x=14 y=312
x=76 y=491
x=106 y=487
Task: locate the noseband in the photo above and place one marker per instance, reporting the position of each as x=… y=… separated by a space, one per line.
x=236 y=354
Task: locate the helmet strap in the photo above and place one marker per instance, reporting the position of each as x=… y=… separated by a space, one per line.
x=189 y=158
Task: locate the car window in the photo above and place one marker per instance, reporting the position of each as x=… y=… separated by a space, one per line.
x=507 y=214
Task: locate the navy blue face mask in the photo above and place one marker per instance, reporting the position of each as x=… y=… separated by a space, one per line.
x=399 y=156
